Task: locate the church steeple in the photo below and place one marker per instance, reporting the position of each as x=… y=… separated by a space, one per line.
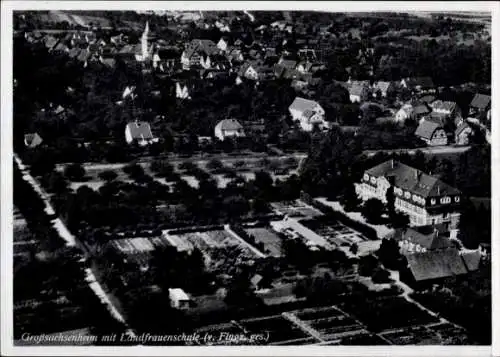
x=144 y=42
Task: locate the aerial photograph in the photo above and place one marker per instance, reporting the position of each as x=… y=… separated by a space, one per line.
x=251 y=178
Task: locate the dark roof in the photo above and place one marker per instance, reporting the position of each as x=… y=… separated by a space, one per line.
x=229 y=124
x=201 y=46
x=429 y=237
x=472 y=260
x=421 y=109
x=413 y=180
x=32 y=139
x=480 y=101
x=427 y=98
x=140 y=130
x=436 y=264
x=461 y=128
x=427 y=128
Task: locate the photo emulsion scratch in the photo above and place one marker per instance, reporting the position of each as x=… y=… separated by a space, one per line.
x=251 y=178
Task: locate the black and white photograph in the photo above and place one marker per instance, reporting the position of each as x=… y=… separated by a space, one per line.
x=317 y=177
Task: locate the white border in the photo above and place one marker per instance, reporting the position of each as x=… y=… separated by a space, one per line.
x=8 y=6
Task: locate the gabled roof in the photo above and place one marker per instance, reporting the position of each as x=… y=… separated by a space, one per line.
x=436 y=264
x=177 y=294
x=302 y=105
x=32 y=140
x=357 y=87
x=201 y=46
x=480 y=101
x=140 y=130
x=472 y=260
x=413 y=180
x=440 y=105
x=421 y=109
x=289 y=64
x=429 y=237
x=426 y=129
x=461 y=128
x=228 y=125
x=382 y=86
x=427 y=99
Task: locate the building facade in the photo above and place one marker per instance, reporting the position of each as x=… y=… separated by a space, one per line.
x=424 y=198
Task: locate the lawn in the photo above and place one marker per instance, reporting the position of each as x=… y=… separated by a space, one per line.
x=271 y=241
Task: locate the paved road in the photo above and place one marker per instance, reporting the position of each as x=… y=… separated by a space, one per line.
x=71 y=241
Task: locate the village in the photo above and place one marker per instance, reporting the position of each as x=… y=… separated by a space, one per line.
x=227 y=172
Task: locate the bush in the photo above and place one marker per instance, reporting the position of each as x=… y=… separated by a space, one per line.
x=108 y=175
x=74 y=172
x=381 y=276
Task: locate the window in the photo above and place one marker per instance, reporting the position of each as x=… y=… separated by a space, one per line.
x=445 y=200
x=407 y=194
x=433 y=201
x=457 y=199
x=366 y=177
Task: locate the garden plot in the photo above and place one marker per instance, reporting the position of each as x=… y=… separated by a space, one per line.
x=280 y=330
x=296 y=208
x=220 y=249
x=334 y=232
x=329 y=322
x=450 y=334
x=418 y=335
x=387 y=313
x=270 y=240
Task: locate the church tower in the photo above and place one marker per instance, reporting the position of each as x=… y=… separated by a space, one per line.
x=144 y=42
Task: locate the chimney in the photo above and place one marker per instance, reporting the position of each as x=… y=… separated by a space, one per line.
x=392 y=163
x=439 y=190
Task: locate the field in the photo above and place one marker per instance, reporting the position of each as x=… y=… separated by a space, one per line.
x=138 y=249
x=220 y=248
x=440 y=334
x=279 y=330
x=387 y=313
x=75 y=19
x=296 y=209
x=334 y=232
x=270 y=240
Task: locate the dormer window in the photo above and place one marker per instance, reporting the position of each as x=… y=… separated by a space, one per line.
x=445 y=200
x=457 y=199
x=433 y=201
x=373 y=180
x=407 y=194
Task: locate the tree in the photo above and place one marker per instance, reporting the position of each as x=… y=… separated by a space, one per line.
x=400 y=220
x=134 y=170
x=372 y=210
x=354 y=248
x=389 y=254
x=381 y=276
x=367 y=265
x=74 y=172
x=108 y=175
x=350 y=199
x=215 y=164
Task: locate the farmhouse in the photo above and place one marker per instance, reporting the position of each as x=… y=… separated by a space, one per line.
x=178 y=298
x=447 y=108
x=430 y=267
x=308 y=112
x=32 y=140
x=140 y=132
x=431 y=132
x=421 y=239
x=192 y=55
x=479 y=105
x=463 y=133
x=382 y=88
x=424 y=198
x=229 y=128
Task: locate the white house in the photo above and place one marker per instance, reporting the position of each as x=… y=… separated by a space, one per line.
x=424 y=198
x=308 y=113
x=358 y=91
x=228 y=128
x=383 y=88
x=182 y=91
x=404 y=113
x=139 y=131
x=223 y=44
x=178 y=298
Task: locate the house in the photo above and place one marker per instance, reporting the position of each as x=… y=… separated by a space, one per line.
x=166 y=59
x=223 y=43
x=404 y=113
x=254 y=70
x=430 y=267
x=479 y=105
x=424 y=198
x=432 y=133
x=463 y=133
x=445 y=107
x=140 y=132
x=192 y=54
x=32 y=140
x=215 y=61
x=358 y=91
x=178 y=298
x=421 y=239
x=183 y=90
x=418 y=84
x=308 y=113
x=419 y=111
x=228 y=128
x=382 y=88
